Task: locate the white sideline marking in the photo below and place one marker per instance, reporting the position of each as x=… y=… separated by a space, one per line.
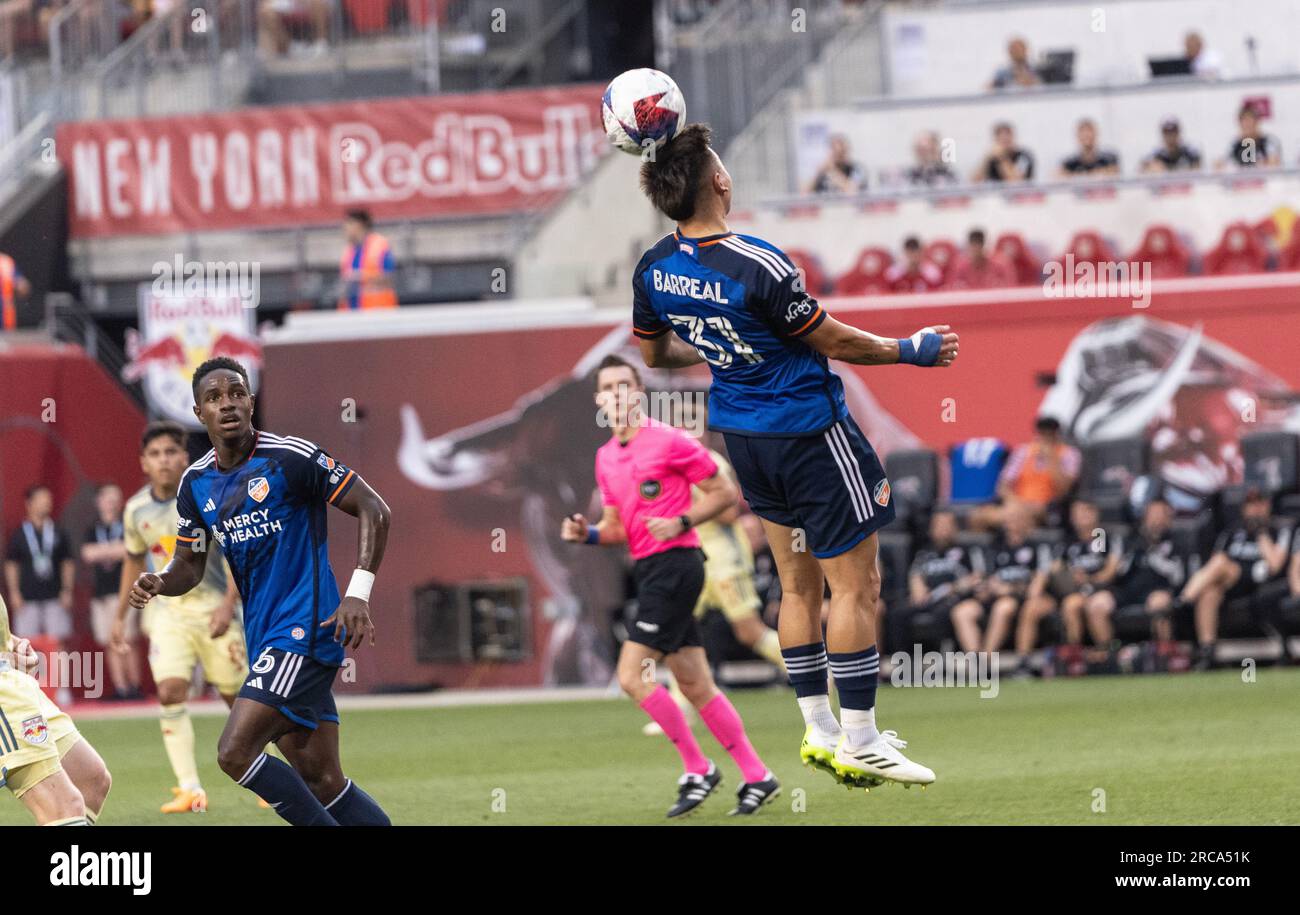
x=447 y=698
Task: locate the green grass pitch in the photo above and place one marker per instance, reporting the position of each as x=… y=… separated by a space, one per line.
x=1206 y=748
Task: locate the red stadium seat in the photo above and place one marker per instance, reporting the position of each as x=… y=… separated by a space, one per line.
x=1289 y=257
x=1238 y=251
x=1013 y=250
x=943 y=254
x=1088 y=247
x=867 y=277
x=367 y=15
x=1164 y=251
x=814 y=277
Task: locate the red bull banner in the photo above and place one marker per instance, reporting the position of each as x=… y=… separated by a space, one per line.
x=481 y=441
x=448 y=155
x=180 y=329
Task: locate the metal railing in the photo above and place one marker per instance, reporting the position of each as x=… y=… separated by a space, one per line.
x=69 y=321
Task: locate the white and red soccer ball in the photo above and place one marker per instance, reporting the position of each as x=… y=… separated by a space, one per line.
x=642 y=110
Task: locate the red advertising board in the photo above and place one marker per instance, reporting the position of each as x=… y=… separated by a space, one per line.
x=446 y=155
x=482 y=441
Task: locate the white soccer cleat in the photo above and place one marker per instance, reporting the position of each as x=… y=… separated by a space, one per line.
x=878 y=762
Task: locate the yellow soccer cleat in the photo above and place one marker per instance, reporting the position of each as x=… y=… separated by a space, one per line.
x=184 y=801
x=817 y=751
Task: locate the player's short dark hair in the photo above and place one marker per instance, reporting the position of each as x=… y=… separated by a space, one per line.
x=161 y=427
x=1047 y=424
x=1001 y=126
x=911 y=243
x=976 y=237
x=361 y=216
x=672 y=179
x=219 y=362
x=614 y=361
x=32 y=490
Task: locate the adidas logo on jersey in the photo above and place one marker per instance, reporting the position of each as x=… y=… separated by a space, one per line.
x=209 y=506
x=255 y=683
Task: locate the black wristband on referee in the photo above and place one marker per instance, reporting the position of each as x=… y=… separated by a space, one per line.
x=686 y=522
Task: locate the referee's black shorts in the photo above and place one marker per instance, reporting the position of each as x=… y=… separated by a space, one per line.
x=668 y=585
x=831 y=484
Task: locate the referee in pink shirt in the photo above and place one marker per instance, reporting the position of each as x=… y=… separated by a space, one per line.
x=645 y=473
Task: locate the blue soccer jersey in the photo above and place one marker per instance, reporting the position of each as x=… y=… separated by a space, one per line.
x=268 y=516
x=740 y=302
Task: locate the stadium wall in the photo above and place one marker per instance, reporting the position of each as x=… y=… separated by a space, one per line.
x=482 y=438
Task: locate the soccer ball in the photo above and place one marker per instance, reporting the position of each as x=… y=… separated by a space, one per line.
x=642 y=109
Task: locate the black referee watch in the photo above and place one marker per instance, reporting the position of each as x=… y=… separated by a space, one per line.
x=686 y=522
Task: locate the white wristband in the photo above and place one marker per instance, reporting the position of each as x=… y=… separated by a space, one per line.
x=360 y=584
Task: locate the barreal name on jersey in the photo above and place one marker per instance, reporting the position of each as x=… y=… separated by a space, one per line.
x=103 y=868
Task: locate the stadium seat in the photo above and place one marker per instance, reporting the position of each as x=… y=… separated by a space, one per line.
x=1164 y=251
x=1088 y=247
x=913 y=480
x=814 y=277
x=1108 y=469
x=1289 y=257
x=1238 y=251
x=1272 y=461
x=867 y=276
x=1012 y=248
x=943 y=254
x=367 y=15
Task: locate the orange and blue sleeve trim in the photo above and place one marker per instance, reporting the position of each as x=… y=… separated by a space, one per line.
x=646 y=334
x=811 y=324
x=343 y=487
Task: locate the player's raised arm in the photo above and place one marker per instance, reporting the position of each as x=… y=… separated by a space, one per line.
x=352 y=618
x=929 y=346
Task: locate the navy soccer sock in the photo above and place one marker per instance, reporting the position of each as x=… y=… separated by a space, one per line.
x=276 y=782
x=855 y=675
x=353 y=807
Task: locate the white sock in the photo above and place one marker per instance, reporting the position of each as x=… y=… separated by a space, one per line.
x=859 y=726
x=817 y=712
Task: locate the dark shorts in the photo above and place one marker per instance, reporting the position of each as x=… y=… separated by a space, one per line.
x=831 y=484
x=668 y=584
x=295 y=685
x=1135 y=593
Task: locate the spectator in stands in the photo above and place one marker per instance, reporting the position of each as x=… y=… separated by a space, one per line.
x=276 y=20
x=366 y=267
x=977 y=269
x=913 y=273
x=13 y=288
x=944 y=574
x=1019 y=73
x=930 y=170
x=1005 y=161
x=1083 y=567
x=1040 y=472
x=40 y=572
x=1172 y=154
x=1202 y=61
x=1089 y=160
x=102 y=551
x=1248 y=560
x=1253 y=147
x=1289 y=605
x=1016 y=578
x=839 y=174
x=1151 y=569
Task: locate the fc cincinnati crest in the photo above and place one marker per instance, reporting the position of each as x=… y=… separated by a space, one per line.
x=881 y=493
x=298 y=632
x=650 y=489
x=258 y=488
x=35 y=730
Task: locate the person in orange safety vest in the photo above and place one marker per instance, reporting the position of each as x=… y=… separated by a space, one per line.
x=13 y=286
x=366 y=265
